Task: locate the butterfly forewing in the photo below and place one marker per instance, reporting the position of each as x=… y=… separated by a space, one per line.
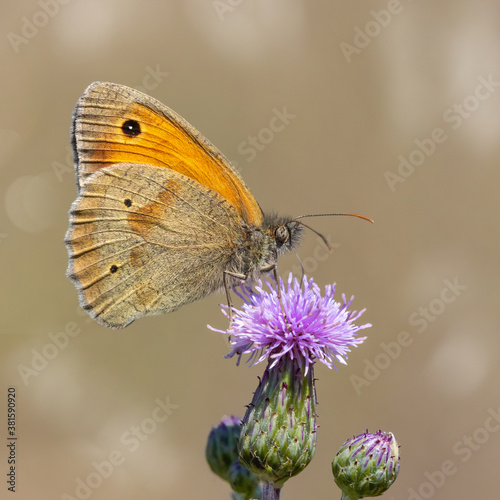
x=116 y=124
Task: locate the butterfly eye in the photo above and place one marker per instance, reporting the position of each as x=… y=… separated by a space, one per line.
x=113 y=269
x=131 y=128
x=282 y=234
x=127 y=202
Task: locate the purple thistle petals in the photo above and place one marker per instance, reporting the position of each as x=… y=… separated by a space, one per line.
x=315 y=328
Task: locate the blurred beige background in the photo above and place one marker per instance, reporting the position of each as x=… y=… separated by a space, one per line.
x=396 y=115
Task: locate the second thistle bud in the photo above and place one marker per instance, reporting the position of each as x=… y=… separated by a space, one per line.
x=222 y=447
x=366 y=465
x=222 y=457
x=243 y=481
x=278 y=435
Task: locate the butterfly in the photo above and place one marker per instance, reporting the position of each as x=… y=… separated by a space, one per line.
x=162 y=218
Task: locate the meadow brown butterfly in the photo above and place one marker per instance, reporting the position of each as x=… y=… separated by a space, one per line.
x=162 y=218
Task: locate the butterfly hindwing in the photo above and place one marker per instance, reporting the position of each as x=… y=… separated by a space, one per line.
x=144 y=239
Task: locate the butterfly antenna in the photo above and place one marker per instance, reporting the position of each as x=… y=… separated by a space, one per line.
x=316 y=232
x=333 y=215
x=296 y=219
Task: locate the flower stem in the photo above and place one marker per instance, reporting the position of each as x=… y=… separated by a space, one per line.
x=345 y=496
x=269 y=492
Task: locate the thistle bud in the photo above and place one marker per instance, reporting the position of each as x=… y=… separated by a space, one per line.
x=222 y=446
x=278 y=434
x=366 y=465
x=292 y=326
x=243 y=482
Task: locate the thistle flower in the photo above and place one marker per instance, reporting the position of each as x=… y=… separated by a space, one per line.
x=278 y=435
x=305 y=326
x=366 y=465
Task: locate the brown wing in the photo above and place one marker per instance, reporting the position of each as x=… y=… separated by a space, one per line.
x=146 y=240
x=116 y=124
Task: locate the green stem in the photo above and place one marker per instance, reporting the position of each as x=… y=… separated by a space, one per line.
x=346 y=496
x=269 y=492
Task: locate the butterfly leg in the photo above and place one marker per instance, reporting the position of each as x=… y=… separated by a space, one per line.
x=274 y=269
x=242 y=277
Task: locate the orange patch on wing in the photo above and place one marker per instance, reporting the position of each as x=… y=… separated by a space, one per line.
x=144 y=219
x=138 y=257
x=146 y=295
x=164 y=143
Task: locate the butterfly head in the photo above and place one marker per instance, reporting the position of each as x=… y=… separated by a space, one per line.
x=286 y=232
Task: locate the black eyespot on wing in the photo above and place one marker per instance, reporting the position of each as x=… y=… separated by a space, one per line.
x=131 y=128
x=128 y=202
x=113 y=269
